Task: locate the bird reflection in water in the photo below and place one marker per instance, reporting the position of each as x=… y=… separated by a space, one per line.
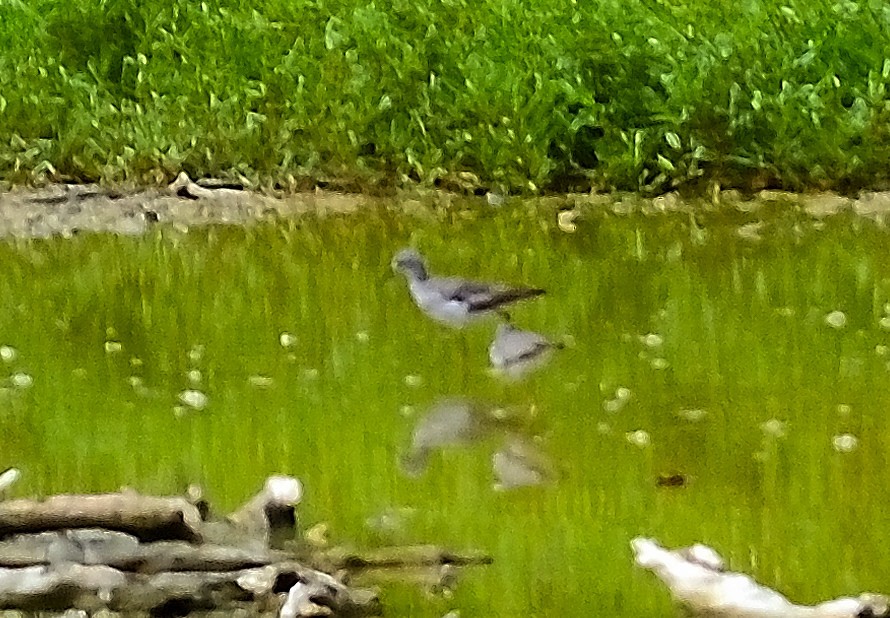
x=457 y=422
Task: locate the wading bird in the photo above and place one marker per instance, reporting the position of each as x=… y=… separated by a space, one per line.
x=514 y=352
x=454 y=301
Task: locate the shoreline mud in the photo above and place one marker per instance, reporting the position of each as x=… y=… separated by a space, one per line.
x=67 y=210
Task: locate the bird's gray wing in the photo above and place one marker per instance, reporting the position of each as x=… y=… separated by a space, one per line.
x=462 y=290
x=480 y=296
x=521 y=345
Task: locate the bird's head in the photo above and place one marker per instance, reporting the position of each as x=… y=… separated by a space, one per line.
x=410 y=263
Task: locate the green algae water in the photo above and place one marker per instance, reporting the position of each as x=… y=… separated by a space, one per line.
x=724 y=381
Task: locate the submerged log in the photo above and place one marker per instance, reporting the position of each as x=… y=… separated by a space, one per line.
x=339 y=558
x=148 y=518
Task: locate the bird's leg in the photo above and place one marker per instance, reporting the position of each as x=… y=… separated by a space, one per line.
x=504 y=316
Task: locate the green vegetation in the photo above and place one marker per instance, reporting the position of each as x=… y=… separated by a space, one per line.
x=564 y=94
x=742 y=336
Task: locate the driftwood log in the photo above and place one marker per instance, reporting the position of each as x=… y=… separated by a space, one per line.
x=128 y=552
x=697 y=578
x=93 y=587
x=148 y=518
x=125 y=552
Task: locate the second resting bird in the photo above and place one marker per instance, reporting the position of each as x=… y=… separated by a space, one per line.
x=514 y=353
x=454 y=301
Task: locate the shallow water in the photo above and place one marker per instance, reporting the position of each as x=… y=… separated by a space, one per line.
x=710 y=390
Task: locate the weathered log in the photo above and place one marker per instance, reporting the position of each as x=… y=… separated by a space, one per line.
x=698 y=580
x=123 y=551
x=176 y=556
x=127 y=552
x=94 y=587
x=63 y=587
x=148 y=518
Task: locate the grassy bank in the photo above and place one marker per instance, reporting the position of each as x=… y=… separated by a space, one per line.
x=555 y=95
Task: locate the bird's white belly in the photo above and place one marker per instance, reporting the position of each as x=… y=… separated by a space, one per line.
x=451 y=312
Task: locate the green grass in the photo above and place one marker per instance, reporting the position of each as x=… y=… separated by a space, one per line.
x=744 y=339
x=642 y=94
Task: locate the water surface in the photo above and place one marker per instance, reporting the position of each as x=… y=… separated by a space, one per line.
x=749 y=368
